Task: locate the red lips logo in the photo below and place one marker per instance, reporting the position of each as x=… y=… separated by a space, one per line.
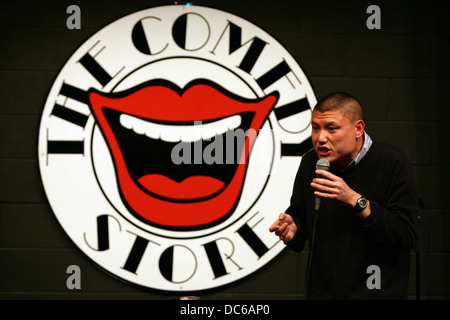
x=143 y=125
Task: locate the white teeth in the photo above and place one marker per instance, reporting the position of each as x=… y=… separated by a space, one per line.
x=177 y=133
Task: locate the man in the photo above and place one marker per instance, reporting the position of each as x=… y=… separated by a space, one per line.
x=361 y=237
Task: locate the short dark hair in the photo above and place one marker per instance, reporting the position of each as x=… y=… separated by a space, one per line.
x=342 y=101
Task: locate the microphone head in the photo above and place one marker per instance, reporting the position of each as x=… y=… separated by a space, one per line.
x=323 y=164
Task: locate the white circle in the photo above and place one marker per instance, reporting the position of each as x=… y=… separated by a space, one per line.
x=81 y=184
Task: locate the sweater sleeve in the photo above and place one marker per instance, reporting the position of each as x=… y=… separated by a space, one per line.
x=393 y=223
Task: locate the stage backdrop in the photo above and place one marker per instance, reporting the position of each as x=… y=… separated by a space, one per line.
x=99 y=198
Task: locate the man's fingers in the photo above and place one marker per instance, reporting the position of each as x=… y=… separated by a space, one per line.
x=278 y=223
x=285 y=232
x=287 y=238
x=325 y=174
x=284 y=227
x=279 y=232
x=323 y=188
x=324 y=182
x=273 y=227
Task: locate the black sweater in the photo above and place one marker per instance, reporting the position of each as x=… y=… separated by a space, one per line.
x=344 y=245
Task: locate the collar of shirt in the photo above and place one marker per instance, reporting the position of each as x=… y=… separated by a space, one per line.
x=365 y=147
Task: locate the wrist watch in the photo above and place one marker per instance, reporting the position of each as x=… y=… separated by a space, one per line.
x=361 y=204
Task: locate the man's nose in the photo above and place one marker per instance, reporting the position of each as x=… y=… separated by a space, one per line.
x=322 y=137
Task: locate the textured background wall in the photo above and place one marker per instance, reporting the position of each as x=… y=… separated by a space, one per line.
x=400 y=73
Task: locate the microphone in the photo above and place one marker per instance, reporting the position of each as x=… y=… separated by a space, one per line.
x=324 y=165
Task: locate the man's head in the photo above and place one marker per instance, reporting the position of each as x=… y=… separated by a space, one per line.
x=337 y=128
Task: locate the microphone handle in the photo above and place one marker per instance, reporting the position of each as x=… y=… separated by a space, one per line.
x=317 y=199
x=316 y=204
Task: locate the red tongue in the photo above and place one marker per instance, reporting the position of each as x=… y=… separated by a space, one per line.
x=190 y=188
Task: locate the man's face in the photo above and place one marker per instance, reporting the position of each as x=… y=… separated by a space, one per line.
x=335 y=137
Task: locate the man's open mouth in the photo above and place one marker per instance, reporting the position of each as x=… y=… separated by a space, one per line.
x=143 y=127
x=323 y=151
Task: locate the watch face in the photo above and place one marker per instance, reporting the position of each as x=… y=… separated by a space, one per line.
x=362 y=202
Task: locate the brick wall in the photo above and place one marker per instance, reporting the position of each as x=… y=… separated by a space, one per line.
x=400 y=73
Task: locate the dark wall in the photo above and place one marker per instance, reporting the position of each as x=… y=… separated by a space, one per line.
x=400 y=73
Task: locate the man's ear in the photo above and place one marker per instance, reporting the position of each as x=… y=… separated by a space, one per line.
x=359 y=128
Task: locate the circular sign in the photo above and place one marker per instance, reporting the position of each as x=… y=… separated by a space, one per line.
x=169 y=143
